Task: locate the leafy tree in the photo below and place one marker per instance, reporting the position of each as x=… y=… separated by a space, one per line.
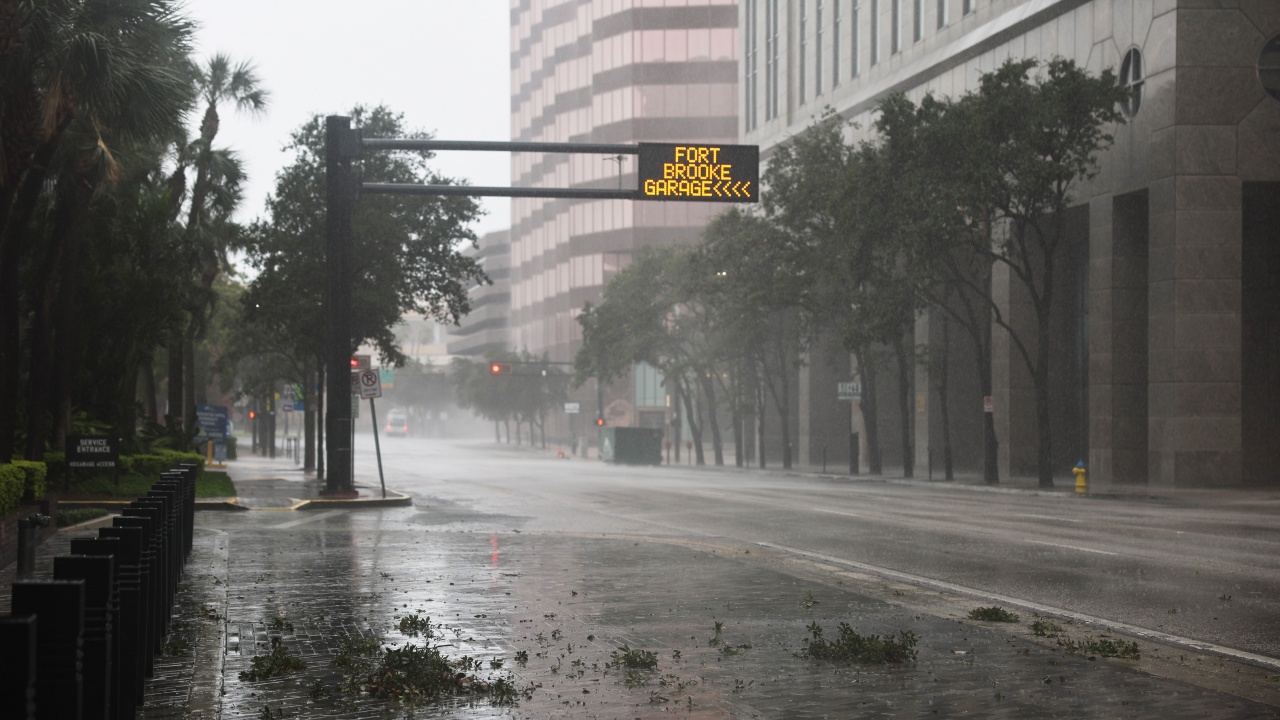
x=81 y=82
x=1018 y=148
x=214 y=195
x=407 y=249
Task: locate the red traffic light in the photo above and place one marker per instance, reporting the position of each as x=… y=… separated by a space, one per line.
x=252 y=414
x=599 y=422
x=354 y=363
x=499 y=368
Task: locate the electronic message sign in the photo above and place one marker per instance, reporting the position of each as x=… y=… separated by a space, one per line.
x=701 y=173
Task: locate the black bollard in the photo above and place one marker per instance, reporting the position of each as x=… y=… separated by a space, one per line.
x=148 y=601
x=18 y=681
x=59 y=685
x=133 y=618
x=123 y=701
x=98 y=574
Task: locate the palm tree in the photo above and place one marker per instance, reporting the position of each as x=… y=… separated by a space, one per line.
x=106 y=65
x=213 y=197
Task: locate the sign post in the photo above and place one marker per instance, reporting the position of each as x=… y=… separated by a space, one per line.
x=370 y=384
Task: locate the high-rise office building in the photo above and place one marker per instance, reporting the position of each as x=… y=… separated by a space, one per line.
x=607 y=71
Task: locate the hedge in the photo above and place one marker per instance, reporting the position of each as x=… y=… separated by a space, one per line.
x=34 y=483
x=12 y=481
x=157 y=462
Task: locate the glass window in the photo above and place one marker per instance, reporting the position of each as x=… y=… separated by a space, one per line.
x=895 y=26
x=802 y=56
x=771 y=59
x=700 y=44
x=749 y=92
x=677 y=46
x=835 y=42
x=653 y=42
x=676 y=99
x=917 y=21
x=722 y=43
x=942 y=13
x=817 y=48
x=875 y=32
x=853 y=39
x=1131 y=76
x=967 y=6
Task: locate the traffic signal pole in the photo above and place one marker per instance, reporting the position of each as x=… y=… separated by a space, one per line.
x=687 y=171
x=342 y=145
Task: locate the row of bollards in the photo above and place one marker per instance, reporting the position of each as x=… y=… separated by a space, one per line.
x=80 y=646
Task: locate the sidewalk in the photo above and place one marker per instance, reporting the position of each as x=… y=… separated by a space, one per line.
x=555 y=610
x=264 y=483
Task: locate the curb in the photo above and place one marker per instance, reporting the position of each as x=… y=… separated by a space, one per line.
x=394 y=498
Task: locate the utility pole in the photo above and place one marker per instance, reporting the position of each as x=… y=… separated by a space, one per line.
x=342 y=145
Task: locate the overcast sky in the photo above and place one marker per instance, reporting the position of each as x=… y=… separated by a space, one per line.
x=444 y=64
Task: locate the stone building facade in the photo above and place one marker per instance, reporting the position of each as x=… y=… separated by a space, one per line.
x=1170 y=326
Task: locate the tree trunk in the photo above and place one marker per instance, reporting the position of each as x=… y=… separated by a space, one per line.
x=13 y=245
x=189 y=397
x=904 y=409
x=870 y=410
x=67 y=340
x=1044 y=437
x=944 y=406
x=760 y=416
x=174 y=412
x=49 y=282
x=148 y=371
x=320 y=439
x=735 y=391
x=695 y=427
x=308 y=416
x=717 y=443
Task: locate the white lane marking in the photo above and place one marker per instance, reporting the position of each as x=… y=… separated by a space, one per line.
x=305 y=520
x=1045 y=517
x=1071 y=547
x=1178 y=640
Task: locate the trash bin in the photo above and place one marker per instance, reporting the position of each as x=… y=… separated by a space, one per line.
x=631 y=445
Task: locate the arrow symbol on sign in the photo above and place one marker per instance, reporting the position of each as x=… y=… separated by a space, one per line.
x=746 y=188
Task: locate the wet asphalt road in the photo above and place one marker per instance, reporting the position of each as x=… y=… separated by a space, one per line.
x=1198 y=565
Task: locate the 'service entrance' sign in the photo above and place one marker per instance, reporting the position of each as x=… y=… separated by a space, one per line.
x=92 y=451
x=701 y=173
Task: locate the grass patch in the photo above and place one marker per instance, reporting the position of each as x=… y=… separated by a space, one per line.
x=215 y=484
x=851 y=647
x=993 y=614
x=75 y=516
x=211 y=484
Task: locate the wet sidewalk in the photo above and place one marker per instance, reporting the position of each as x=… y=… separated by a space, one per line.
x=554 y=613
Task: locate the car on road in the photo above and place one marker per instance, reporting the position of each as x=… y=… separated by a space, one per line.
x=397 y=423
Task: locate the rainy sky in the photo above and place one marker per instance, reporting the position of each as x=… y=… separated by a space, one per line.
x=443 y=63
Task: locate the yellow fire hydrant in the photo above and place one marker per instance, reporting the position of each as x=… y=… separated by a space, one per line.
x=1082 y=482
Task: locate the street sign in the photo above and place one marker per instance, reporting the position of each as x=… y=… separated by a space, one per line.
x=571 y=408
x=704 y=173
x=988 y=404
x=92 y=451
x=287 y=405
x=388 y=376
x=849 y=391
x=355 y=382
x=370 y=384
x=361 y=362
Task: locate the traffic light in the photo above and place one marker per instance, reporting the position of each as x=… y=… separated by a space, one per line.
x=252 y=414
x=599 y=422
x=499 y=368
x=355 y=364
